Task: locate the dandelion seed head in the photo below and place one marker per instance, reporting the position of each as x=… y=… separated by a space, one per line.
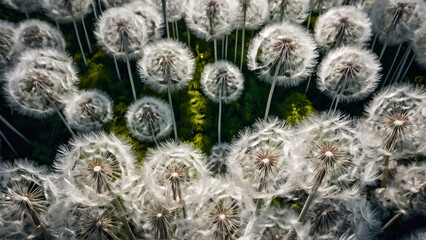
x=151 y=14
x=65 y=11
x=222 y=81
x=295 y=11
x=256 y=14
x=121 y=33
x=211 y=19
x=166 y=64
x=88 y=110
x=34 y=33
x=40 y=74
x=420 y=45
x=6 y=43
x=348 y=73
x=284 y=45
x=342 y=26
x=149 y=118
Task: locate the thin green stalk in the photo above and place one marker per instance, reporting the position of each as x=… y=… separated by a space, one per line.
x=79 y=42
x=129 y=70
x=271 y=92
x=14 y=130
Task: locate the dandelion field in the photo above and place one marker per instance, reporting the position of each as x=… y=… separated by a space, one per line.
x=342 y=157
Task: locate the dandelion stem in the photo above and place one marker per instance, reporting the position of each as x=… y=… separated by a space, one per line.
x=79 y=41
x=383 y=50
x=123 y=219
x=57 y=25
x=393 y=63
x=171 y=107
x=87 y=36
x=26 y=14
x=385 y=171
x=94 y=9
x=392 y=220
x=401 y=65
x=243 y=35
x=309 y=19
x=165 y=17
x=292 y=233
x=37 y=222
x=129 y=70
x=309 y=82
x=116 y=68
x=151 y=128
x=223 y=48
x=8 y=143
x=215 y=50
x=236 y=45
x=220 y=117
x=189 y=36
x=14 y=130
x=374 y=43
x=100 y=6
x=226 y=46
x=177 y=30
x=271 y=92
x=408 y=67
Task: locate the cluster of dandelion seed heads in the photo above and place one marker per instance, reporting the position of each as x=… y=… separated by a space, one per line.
x=96 y=166
x=121 y=33
x=88 y=110
x=39 y=76
x=349 y=73
x=34 y=33
x=149 y=119
x=222 y=81
x=166 y=65
x=211 y=19
x=65 y=11
x=284 y=45
x=342 y=26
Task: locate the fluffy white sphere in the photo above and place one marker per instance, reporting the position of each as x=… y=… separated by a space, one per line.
x=284 y=45
x=222 y=81
x=65 y=11
x=166 y=64
x=349 y=73
x=121 y=33
x=256 y=13
x=345 y=25
x=211 y=19
x=151 y=15
x=88 y=110
x=149 y=119
x=34 y=33
x=40 y=73
x=96 y=168
x=294 y=11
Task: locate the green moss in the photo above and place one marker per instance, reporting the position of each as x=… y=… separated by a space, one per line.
x=295 y=108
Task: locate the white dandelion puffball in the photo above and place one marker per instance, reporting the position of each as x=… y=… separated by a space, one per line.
x=24 y=191
x=407 y=182
x=295 y=11
x=24 y=6
x=121 y=33
x=256 y=13
x=151 y=15
x=222 y=81
x=394 y=21
x=345 y=25
x=96 y=167
x=286 y=46
x=349 y=73
x=258 y=159
x=172 y=169
x=115 y=3
x=88 y=110
x=211 y=19
x=39 y=75
x=324 y=5
x=174 y=9
x=396 y=121
x=65 y=11
x=420 y=45
x=166 y=64
x=332 y=151
x=7 y=31
x=34 y=33
x=149 y=119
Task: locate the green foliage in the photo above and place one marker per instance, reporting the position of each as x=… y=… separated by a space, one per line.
x=295 y=108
